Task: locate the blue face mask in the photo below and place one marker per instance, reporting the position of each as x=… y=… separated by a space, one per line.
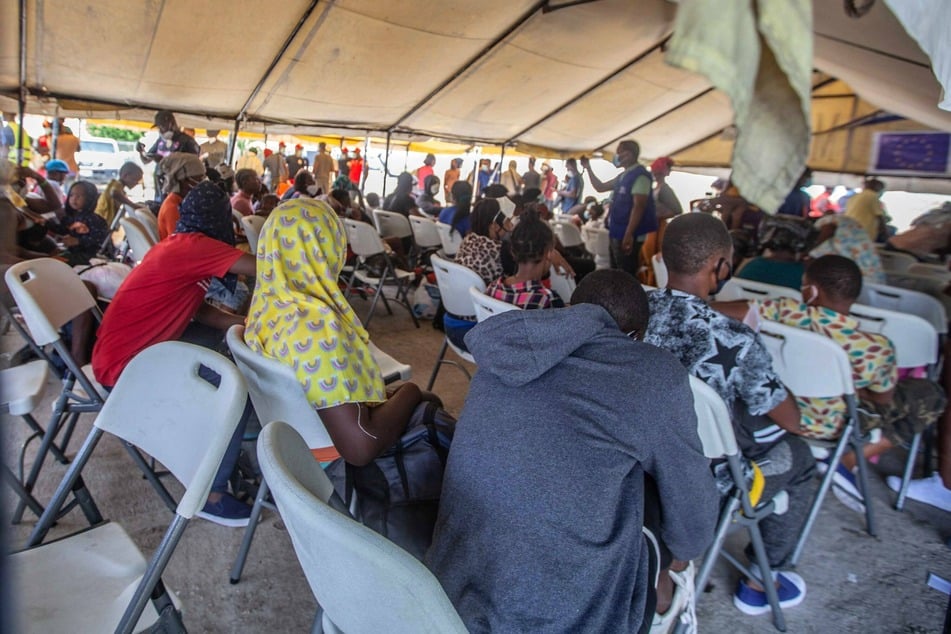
x=616 y=160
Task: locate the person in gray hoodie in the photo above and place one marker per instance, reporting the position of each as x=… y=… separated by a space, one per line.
x=543 y=501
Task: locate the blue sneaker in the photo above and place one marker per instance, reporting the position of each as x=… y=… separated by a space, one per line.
x=791 y=591
x=228 y=511
x=846 y=490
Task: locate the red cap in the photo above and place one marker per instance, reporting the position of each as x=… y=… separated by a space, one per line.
x=298 y=147
x=343 y=149
x=281 y=144
x=267 y=152
x=356 y=150
x=662 y=164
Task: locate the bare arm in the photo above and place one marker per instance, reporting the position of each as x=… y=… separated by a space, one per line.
x=119 y=196
x=597 y=183
x=217 y=318
x=786 y=414
x=245 y=265
x=50 y=200
x=361 y=433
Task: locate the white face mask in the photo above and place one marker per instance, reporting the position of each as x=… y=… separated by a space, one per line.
x=312 y=190
x=168 y=135
x=434 y=190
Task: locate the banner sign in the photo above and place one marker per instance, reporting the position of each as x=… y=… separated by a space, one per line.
x=911 y=153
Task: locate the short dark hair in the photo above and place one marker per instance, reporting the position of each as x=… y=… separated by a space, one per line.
x=531 y=239
x=691 y=240
x=631 y=146
x=838 y=276
x=617 y=292
x=483 y=215
x=494 y=190
x=302 y=180
x=342 y=196
x=874 y=184
x=243 y=175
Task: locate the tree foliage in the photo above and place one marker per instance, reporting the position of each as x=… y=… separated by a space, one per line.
x=110 y=132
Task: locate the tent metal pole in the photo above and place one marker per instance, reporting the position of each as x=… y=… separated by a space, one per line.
x=363 y=172
x=55 y=131
x=501 y=164
x=233 y=142
x=386 y=163
x=21 y=94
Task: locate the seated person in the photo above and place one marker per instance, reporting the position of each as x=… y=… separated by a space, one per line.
x=267 y=205
x=481 y=248
x=457 y=215
x=844 y=236
x=158 y=302
x=56 y=173
x=729 y=356
x=304 y=185
x=29 y=214
x=401 y=201
x=249 y=186
x=784 y=241
x=514 y=548
x=300 y=318
x=426 y=201
x=901 y=408
x=594 y=216
x=80 y=229
x=532 y=243
x=113 y=196
x=181 y=172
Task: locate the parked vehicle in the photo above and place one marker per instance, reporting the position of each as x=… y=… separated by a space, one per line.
x=99 y=160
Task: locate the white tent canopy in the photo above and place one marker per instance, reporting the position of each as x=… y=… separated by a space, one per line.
x=556 y=76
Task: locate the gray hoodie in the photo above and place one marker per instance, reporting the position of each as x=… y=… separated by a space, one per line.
x=540 y=520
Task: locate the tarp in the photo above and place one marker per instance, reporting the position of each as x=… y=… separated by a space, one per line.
x=554 y=77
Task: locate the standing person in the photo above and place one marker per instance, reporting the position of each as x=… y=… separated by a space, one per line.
x=355 y=171
x=511 y=180
x=549 y=185
x=276 y=167
x=249 y=186
x=171 y=139
x=632 y=215
x=531 y=179
x=213 y=151
x=324 y=166
x=10 y=134
x=162 y=299
x=571 y=193
x=67 y=144
x=113 y=196
x=250 y=161
x=426 y=169
x=866 y=208
x=450 y=177
x=798 y=202
x=297 y=161
x=343 y=163
x=614 y=411
x=668 y=206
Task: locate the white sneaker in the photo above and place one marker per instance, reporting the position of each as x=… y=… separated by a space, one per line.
x=927 y=490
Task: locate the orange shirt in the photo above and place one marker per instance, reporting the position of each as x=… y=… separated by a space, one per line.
x=168 y=215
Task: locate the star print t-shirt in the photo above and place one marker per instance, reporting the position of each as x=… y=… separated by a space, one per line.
x=727 y=355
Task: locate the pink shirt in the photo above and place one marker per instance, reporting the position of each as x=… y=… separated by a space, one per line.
x=241 y=203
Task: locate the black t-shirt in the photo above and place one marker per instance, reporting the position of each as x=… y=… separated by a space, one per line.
x=400 y=203
x=180 y=142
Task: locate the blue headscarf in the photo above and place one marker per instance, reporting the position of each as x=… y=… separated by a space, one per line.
x=207 y=210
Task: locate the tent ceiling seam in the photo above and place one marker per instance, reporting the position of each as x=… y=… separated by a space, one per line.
x=869 y=49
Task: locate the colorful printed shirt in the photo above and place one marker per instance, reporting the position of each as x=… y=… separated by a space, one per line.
x=851 y=241
x=527 y=295
x=724 y=353
x=872 y=356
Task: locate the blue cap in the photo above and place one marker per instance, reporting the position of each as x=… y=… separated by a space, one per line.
x=57 y=165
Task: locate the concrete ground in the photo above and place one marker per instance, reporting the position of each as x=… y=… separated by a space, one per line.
x=856 y=583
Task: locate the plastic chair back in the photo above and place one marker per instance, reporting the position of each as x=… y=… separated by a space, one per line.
x=138 y=237
x=597 y=241
x=896 y=262
x=568 y=233
x=391 y=224
x=935 y=271
x=450 y=239
x=738 y=288
x=903 y=300
x=714 y=425
x=147 y=218
x=161 y=405
x=916 y=341
x=660 y=270
x=275 y=391
x=486 y=306
x=252 y=225
x=810 y=364
x=425 y=233
x=362 y=581
x=363 y=238
x=49 y=294
x=562 y=284
x=454 y=281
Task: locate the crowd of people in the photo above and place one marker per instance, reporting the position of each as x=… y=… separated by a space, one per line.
x=606 y=436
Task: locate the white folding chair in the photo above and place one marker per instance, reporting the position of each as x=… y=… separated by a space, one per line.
x=49 y=295
x=425 y=233
x=718 y=438
x=362 y=581
x=903 y=300
x=450 y=239
x=598 y=242
x=145 y=216
x=660 y=270
x=561 y=284
x=486 y=306
x=738 y=288
x=252 y=226
x=97 y=580
x=568 y=233
x=936 y=271
x=391 y=224
x=454 y=281
x=917 y=345
x=814 y=366
x=366 y=243
x=896 y=261
x=138 y=237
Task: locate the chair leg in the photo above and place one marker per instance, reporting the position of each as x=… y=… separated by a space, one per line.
x=909 y=471
x=710 y=559
x=442 y=355
x=864 y=488
x=376 y=298
x=58 y=451
x=21 y=492
x=766 y=577
x=52 y=429
x=259 y=502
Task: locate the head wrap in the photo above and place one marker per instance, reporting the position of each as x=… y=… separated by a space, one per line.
x=207 y=209
x=178 y=167
x=298 y=313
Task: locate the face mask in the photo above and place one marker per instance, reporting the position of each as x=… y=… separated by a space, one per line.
x=434 y=190
x=729 y=275
x=312 y=190
x=813 y=295
x=616 y=160
x=168 y=135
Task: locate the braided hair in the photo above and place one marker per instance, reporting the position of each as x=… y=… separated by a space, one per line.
x=532 y=238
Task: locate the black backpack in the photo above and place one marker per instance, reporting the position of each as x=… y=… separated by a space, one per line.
x=398 y=493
